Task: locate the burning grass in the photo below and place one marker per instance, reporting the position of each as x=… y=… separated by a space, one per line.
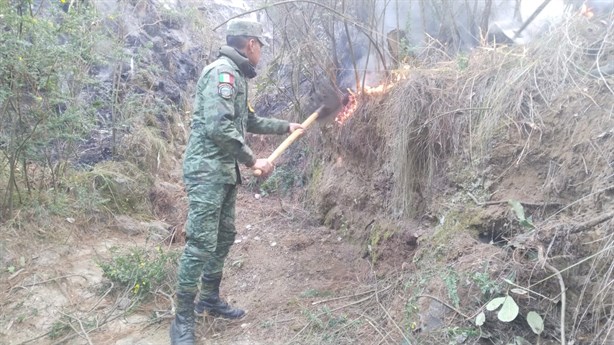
x=445 y=109
x=540 y=110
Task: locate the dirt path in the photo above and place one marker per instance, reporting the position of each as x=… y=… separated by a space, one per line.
x=280 y=266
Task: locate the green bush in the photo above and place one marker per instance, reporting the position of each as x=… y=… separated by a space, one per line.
x=44 y=64
x=140 y=270
x=281 y=181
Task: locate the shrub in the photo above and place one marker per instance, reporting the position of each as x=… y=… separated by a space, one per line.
x=139 y=270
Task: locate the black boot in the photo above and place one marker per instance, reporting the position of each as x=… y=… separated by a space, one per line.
x=216 y=307
x=211 y=302
x=182 y=327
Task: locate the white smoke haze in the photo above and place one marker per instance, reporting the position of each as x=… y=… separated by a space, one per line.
x=458 y=25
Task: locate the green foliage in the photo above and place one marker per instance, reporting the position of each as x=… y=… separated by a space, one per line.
x=464 y=332
x=463 y=61
x=519 y=211
x=487 y=286
x=451 y=281
x=509 y=308
x=45 y=59
x=480 y=319
x=60 y=328
x=536 y=322
x=508 y=311
x=138 y=269
x=325 y=319
x=282 y=180
x=68 y=323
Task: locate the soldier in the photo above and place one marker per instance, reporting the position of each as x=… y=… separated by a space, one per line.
x=211 y=174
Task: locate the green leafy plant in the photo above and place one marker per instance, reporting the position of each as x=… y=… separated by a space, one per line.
x=139 y=270
x=536 y=322
x=508 y=308
x=60 y=328
x=508 y=311
x=463 y=61
x=487 y=286
x=282 y=180
x=451 y=281
x=43 y=119
x=526 y=222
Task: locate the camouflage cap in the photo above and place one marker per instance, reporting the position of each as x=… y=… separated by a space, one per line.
x=246 y=27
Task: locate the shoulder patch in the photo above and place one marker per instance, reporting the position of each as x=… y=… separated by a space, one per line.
x=226 y=78
x=225 y=90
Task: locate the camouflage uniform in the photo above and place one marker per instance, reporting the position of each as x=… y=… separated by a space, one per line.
x=216 y=146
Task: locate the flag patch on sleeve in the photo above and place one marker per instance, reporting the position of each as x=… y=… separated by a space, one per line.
x=227 y=78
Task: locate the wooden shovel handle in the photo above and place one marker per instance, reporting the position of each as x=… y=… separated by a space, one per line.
x=290 y=139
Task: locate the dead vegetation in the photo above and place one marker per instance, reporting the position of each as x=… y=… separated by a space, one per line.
x=526 y=123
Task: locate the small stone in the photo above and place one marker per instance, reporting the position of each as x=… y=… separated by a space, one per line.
x=273 y=244
x=257 y=238
x=123 y=303
x=248 y=226
x=238 y=241
x=257 y=196
x=339 y=239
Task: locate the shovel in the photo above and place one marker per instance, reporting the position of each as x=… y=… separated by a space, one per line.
x=330 y=106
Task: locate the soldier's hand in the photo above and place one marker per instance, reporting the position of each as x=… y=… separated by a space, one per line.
x=264 y=166
x=295 y=127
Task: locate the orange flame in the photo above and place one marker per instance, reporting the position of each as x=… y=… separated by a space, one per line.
x=586 y=11
x=349 y=109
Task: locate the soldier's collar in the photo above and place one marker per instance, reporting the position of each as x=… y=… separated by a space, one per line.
x=246 y=68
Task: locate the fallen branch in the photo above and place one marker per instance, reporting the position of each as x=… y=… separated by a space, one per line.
x=447 y=305
x=388 y=314
x=525 y=203
x=46 y=281
x=529 y=290
x=370 y=322
x=330 y=311
x=12 y=276
x=574 y=265
x=540 y=253
x=591 y=223
x=349 y=296
x=606 y=189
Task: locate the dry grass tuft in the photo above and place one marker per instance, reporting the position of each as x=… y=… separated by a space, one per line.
x=446 y=108
x=121 y=187
x=545 y=108
x=147 y=149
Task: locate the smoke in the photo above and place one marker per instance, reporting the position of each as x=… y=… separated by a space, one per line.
x=405 y=28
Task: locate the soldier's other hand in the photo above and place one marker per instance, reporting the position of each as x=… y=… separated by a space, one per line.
x=295 y=127
x=264 y=166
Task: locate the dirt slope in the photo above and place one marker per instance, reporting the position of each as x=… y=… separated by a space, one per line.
x=282 y=264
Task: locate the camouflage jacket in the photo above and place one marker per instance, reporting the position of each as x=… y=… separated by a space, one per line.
x=220 y=119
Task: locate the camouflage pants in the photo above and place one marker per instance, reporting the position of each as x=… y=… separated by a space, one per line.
x=210 y=231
